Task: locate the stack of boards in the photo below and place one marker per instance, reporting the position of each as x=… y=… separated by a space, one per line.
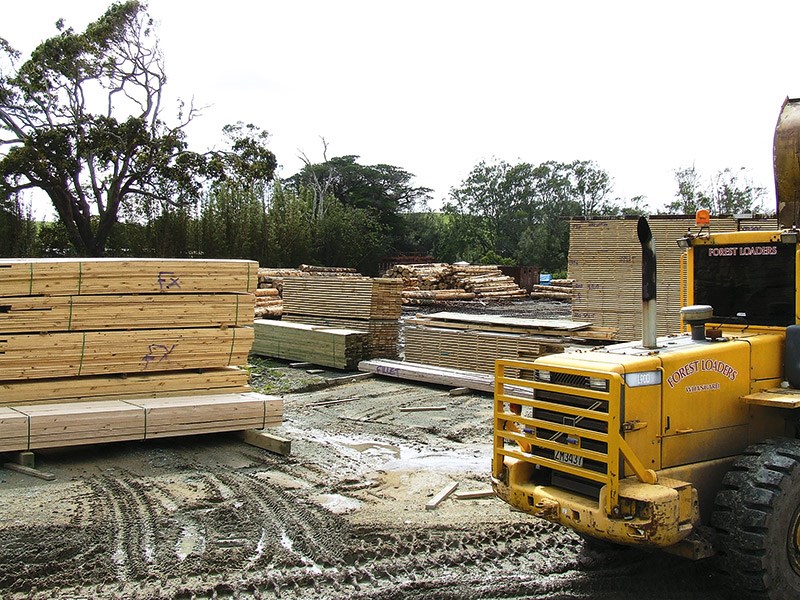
x=474 y=342
x=605 y=260
x=354 y=303
x=96 y=350
x=320 y=345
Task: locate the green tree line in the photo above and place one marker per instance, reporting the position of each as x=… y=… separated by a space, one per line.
x=123 y=181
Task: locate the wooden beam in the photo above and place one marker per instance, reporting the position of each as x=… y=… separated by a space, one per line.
x=441 y=496
x=29 y=471
x=267 y=441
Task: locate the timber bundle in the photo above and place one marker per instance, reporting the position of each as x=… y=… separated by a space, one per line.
x=442 y=282
x=559 y=289
x=99 y=350
x=269 y=301
x=362 y=304
x=475 y=342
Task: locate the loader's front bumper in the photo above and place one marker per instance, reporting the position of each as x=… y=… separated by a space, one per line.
x=651 y=515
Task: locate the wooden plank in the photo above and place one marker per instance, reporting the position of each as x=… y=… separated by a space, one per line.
x=441 y=496
x=474 y=494
x=65 y=276
x=548 y=324
x=267 y=441
x=35 y=356
x=421 y=408
x=429 y=374
x=13 y=430
x=29 y=471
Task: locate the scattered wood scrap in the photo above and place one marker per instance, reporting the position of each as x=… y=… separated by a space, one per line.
x=267 y=441
x=421 y=408
x=473 y=494
x=441 y=496
x=29 y=471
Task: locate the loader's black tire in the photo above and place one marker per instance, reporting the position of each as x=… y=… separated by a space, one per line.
x=757 y=518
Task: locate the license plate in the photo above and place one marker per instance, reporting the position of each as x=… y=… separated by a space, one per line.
x=569 y=459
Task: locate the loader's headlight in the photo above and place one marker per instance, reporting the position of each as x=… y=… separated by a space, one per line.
x=598 y=383
x=542 y=375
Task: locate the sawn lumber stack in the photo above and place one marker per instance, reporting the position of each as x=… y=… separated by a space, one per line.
x=357 y=303
x=475 y=342
x=95 y=350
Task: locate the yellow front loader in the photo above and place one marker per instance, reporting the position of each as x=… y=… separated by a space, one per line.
x=686 y=443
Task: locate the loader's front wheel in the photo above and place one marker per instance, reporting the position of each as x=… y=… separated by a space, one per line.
x=757 y=518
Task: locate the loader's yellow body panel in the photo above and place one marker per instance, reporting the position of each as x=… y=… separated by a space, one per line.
x=630 y=444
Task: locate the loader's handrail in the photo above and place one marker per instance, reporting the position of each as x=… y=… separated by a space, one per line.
x=521 y=429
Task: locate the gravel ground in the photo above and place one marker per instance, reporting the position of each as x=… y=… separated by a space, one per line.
x=343 y=517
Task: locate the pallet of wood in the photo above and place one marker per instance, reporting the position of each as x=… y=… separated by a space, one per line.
x=319 y=345
x=475 y=342
x=83 y=339
x=131 y=311
x=383 y=337
x=39 y=426
x=226 y=380
x=44 y=355
x=354 y=297
x=77 y=276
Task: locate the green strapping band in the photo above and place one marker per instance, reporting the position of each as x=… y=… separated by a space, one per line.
x=248 y=277
x=83 y=351
x=69 y=324
x=233 y=339
x=80 y=276
x=237 y=310
x=30 y=279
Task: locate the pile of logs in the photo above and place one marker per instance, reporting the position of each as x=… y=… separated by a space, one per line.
x=559 y=289
x=442 y=282
x=87 y=346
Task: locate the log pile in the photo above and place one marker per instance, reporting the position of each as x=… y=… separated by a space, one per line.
x=442 y=282
x=359 y=303
x=475 y=342
x=559 y=289
x=87 y=344
x=319 y=345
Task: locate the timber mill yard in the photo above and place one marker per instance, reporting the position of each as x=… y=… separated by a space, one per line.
x=128 y=386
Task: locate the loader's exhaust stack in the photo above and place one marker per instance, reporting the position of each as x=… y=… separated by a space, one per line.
x=786 y=161
x=648 y=283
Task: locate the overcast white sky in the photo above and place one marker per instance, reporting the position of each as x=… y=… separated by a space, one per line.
x=641 y=88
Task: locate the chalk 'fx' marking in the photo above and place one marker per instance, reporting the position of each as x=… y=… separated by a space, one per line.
x=157 y=353
x=174 y=282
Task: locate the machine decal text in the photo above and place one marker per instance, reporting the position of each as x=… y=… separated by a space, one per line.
x=706 y=365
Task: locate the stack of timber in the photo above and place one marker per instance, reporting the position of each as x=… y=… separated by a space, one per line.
x=358 y=303
x=475 y=342
x=442 y=282
x=605 y=260
x=559 y=289
x=87 y=344
x=269 y=301
x=319 y=345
